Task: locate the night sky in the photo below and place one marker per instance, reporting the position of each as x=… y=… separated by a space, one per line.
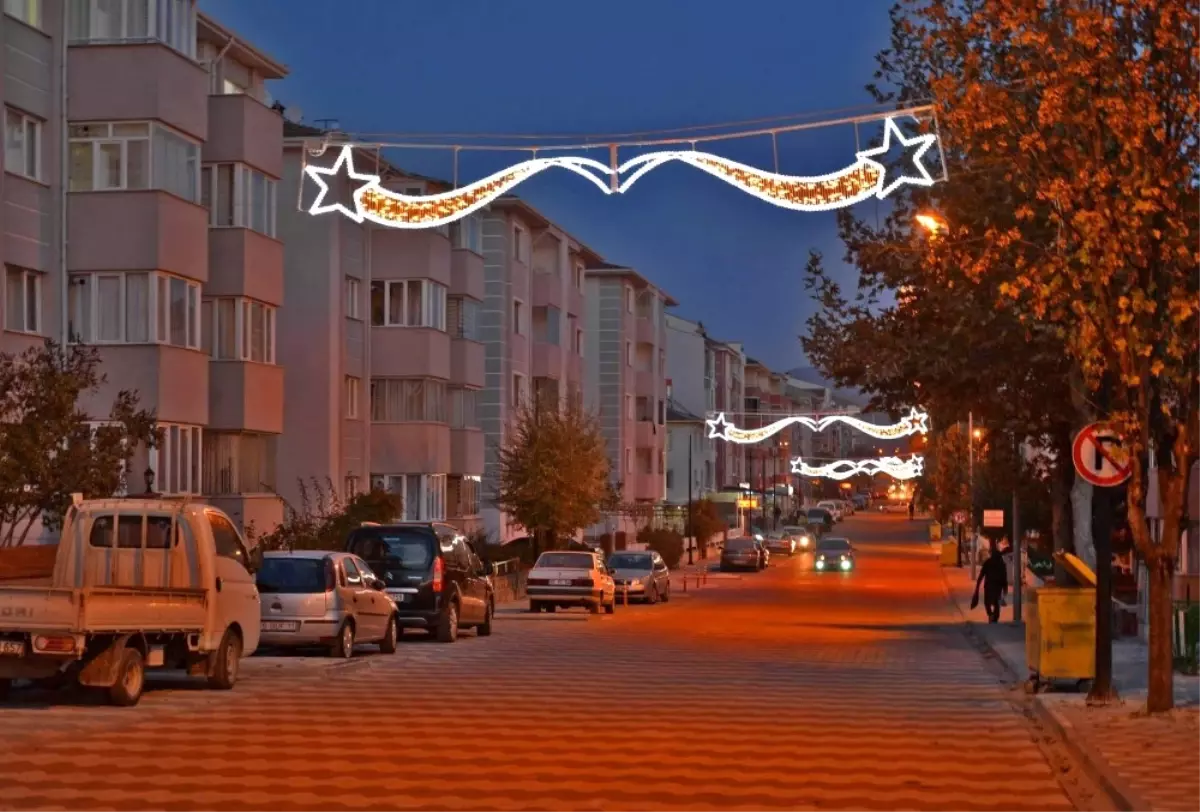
x=562 y=66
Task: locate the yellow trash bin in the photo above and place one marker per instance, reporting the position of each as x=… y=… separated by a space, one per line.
x=935 y=532
x=1060 y=629
x=949 y=553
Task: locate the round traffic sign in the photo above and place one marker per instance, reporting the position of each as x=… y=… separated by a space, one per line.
x=1100 y=456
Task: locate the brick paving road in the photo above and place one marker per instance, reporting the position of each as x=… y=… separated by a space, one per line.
x=782 y=690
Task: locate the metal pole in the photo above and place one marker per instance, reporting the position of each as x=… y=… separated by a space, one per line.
x=1018 y=553
x=971 y=490
x=1102 y=527
x=688 y=521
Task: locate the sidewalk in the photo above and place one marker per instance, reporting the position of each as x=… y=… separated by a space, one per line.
x=1146 y=762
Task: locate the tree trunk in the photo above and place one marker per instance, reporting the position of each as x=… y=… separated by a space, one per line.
x=1160 y=680
x=1060 y=512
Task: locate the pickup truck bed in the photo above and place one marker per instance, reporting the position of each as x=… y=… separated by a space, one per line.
x=101 y=610
x=22 y=563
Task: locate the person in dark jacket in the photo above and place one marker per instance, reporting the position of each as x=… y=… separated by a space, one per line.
x=993 y=575
x=912 y=509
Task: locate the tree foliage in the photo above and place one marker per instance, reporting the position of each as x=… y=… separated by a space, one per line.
x=552 y=472
x=323 y=520
x=705 y=522
x=50 y=447
x=666 y=542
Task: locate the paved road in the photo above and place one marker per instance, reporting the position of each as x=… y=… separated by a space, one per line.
x=782 y=690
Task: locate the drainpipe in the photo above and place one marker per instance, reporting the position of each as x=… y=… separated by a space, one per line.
x=64 y=151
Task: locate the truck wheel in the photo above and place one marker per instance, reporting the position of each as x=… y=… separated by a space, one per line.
x=227 y=662
x=131 y=679
x=391 y=637
x=447 y=628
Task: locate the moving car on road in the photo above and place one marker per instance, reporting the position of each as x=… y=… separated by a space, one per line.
x=780 y=541
x=822 y=518
x=834 y=508
x=804 y=536
x=642 y=576
x=436 y=580
x=319 y=598
x=741 y=553
x=834 y=554
x=571 y=579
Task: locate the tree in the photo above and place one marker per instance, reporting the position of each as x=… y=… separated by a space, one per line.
x=705 y=522
x=553 y=472
x=324 y=520
x=50 y=447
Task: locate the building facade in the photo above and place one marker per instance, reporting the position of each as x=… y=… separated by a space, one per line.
x=626 y=359
x=138 y=200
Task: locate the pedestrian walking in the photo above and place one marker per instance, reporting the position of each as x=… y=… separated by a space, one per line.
x=912 y=509
x=993 y=575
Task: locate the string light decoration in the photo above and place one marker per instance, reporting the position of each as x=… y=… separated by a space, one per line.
x=916 y=422
x=866 y=177
x=845 y=469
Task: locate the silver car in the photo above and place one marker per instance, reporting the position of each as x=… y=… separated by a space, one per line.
x=642 y=576
x=321 y=598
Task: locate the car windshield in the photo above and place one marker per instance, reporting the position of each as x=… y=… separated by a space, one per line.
x=795 y=529
x=833 y=546
x=566 y=561
x=817 y=515
x=291 y=576
x=394 y=549
x=629 y=561
x=739 y=544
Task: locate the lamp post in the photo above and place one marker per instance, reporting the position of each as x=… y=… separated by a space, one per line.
x=971 y=490
x=688 y=519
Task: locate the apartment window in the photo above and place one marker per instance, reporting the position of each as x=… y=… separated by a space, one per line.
x=237 y=463
x=23 y=300
x=546 y=325
x=520 y=250
x=629 y=300
x=629 y=413
x=518 y=390
x=462 y=317
x=353 y=385
x=408 y=303
x=402 y=400
x=467 y=233
x=238 y=196
x=176 y=462
x=464 y=407
x=133 y=308
x=352 y=293
x=22 y=143
x=171 y=22
x=628 y=353
x=629 y=460
x=232 y=88
x=423 y=496
x=578 y=276
x=239 y=329
x=518 y=317
x=137 y=155
x=462 y=494
x=27 y=11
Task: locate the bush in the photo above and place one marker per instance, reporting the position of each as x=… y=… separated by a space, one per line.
x=705 y=523
x=667 y=543
x=324 y=520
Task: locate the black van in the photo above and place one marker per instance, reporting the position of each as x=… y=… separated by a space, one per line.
x=437 y=581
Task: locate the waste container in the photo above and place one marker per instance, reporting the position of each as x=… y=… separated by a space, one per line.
x=935 y=532
x=1060 y=629
x=949 y=553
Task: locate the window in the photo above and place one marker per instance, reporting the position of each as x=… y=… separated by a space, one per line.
x=22 y=143
x=176 y=462
x=400 y=400
x=423 y=496
x=520 y=254
x=435 y=496
x=629 y=460
x=464 y=405
x=231 y=88
x=352 y=293
x=462 y=495
x=408 y=303
x=226 y=540
x=238 y=329
x=579 y=343
x=629 y=414
x=467 y=233
x=352 y=387
x=171 y=22
x=133 y=308
x=629 y=353
x=462 y=318
x=22 y=300
x=238 y=196
x=138 y=155
x=518 y=317
x=579 y=276
x=27 y=11
x=518 y=390
x=238 y=463
x=547 y=325
x=629 y=300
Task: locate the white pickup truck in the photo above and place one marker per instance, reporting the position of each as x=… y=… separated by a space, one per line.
x=136 y=583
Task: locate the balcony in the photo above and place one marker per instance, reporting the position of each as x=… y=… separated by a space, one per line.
x=519 y=276
x=245 y=263
x=547 y=360
x=242 y=129
x=414 y=448
x=28 y=221
x=466 y=273
x=245 y=396
x=574 y=368
x=547 y=290
x=148 y=229
x=643 y=487
x=410 y=253
x=647 y=434
x=137 y=82
x=647 y=330
x=466 y=452
x=518 y=351
x=409 y=352
x=466 y=362
x=574 y=303
x=172 y=381
x=648 y=383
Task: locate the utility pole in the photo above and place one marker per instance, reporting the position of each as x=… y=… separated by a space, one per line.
x=688 y=521
x=971 y=490
x=1018 y=551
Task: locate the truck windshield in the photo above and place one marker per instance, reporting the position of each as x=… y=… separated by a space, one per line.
x=292 y=576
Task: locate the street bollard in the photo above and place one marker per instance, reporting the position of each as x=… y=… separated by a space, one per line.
x=685 y=582
x=705 y=576
x=625 y=596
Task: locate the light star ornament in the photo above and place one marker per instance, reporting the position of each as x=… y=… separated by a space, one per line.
x=916 y=422
x=866 y=177
x=845 y=469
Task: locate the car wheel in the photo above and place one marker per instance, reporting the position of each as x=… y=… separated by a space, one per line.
x=652 y=598
x=484 y=629
x=536 y=606
x=611 y=606
x=666 y=595
x=343 y=647
x=391 y=637
x=594 y=608
x=229 y=658
x=131 y=679
x=447 y=629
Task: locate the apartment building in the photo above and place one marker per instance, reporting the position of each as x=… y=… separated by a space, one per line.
x=687 y=449
x=691 y=395
x=626 y=358
x=729 y=395
x=382 y=345
x=138 y=209
x=532 y=326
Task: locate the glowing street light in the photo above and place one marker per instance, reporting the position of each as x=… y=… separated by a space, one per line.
x=933 y=223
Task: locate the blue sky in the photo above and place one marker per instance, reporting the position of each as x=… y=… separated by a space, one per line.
x=568 y=66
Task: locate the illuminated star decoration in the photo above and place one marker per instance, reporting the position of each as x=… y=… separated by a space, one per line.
x=845 y=469
x=865 y=178
x=916 y=422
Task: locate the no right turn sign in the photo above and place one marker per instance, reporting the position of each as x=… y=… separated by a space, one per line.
x=1100 y=457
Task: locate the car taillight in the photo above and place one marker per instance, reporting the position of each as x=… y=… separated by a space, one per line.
x=439 y=569
x=330 y=577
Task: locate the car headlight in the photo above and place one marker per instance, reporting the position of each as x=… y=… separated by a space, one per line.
x=820 y=563
x=846 y=564
x=804 y=542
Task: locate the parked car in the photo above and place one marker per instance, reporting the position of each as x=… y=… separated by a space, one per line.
x=741 y=553
x=429 y=570
x=861 y=501
x=822 y=518
x=571 y=578
x=641 y=575
x=834 y=554
x=135 y=583
x=847 y=507
x=780 y=541
x=319 y=598
x=804 y=537
x=831 y=505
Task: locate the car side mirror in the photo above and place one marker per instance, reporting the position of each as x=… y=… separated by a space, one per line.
x=377 y=584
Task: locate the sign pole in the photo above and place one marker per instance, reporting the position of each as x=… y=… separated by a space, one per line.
x=1018 y=550
x=1102 y=526
x=971 y=489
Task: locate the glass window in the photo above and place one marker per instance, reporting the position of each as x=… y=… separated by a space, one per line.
x=118 y=156
x=22 y=144
x=352 y=294
x=397 y=400
x=159 y=533
x=23 y=306
x=129 y=532
x=171 y=22
x=27 y=11
x=226 y=540
x=352 y=574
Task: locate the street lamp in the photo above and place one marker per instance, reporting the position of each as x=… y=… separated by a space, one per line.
x=932 y=222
